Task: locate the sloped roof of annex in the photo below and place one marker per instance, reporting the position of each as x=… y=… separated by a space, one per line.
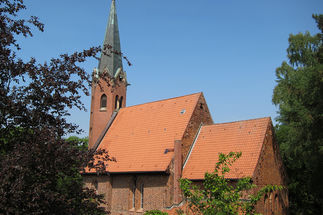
x=242 y=136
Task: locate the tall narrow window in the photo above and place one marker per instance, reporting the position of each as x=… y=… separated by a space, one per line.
x=133 y=190
x=103 y=102
x=271 y=208
x=120 y=102
x=95 y=185
x=134 y=196
x=266 y=205
x=276 y=204
x=142 y=195
x=116 y=104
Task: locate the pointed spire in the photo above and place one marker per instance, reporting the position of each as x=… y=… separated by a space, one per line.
x=114 y=61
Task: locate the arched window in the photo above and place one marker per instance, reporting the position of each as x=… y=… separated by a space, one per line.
x=103 y=102
x=134 y=196
x=276 y=204
x=116 y=104
x=133 y=189
x=95 y=185
x=142 y=196
x=120 y=102
x=266 y=205
x=270 y=207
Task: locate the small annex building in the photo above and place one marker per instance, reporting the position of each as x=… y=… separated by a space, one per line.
x=157 y=143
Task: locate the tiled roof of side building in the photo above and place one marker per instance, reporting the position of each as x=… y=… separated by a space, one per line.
x=140 y=134
x=241 y=136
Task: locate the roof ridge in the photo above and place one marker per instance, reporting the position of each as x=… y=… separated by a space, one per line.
x=267 y=117
x=162 y=100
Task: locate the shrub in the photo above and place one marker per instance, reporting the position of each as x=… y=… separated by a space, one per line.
x=155 y=212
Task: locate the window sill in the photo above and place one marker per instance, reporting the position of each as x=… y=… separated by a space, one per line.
x=140 y=210
x=132 y=210
x=103 y=109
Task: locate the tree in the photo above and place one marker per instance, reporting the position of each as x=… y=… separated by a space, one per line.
x=299 y=97
x=82 y=143
x=219 y=196
x=40 y=170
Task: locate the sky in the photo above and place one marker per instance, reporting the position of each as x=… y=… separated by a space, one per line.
x=229 y=50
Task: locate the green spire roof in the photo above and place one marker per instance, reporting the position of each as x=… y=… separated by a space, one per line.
x=114 y=61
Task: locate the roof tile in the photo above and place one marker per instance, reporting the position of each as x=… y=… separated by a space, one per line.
x=242 y=136
x=140 y=134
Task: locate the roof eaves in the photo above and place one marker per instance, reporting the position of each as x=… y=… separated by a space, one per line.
x=231 y=179
x=140 y=172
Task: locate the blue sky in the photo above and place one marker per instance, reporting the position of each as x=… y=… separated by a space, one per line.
x=229 y=49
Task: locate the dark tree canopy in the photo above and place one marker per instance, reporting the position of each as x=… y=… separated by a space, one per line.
x=299 y=96
x=40 y=170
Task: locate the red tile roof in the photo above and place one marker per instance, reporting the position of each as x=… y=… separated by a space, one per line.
x=140 y=134
x=242 y=136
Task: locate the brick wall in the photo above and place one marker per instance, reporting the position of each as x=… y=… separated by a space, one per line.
x=270 y=170
x=118 y=191
x=201 y=114
x=121 y=193
x=98 y=117
x=102 y=185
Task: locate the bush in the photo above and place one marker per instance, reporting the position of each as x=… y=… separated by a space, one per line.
x=155 y=212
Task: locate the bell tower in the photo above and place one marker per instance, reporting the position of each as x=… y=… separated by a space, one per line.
x=109 y=81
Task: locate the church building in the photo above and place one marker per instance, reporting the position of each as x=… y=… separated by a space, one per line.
x=156 y=144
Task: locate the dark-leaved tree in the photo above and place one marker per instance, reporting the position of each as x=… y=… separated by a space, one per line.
x=40 y=170
x=299 y=96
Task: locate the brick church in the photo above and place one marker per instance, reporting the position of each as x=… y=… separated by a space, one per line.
x=157 y=143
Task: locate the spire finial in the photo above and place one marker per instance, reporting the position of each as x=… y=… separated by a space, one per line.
x=112 y=39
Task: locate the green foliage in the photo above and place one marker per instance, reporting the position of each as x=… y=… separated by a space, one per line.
x=155 y=212
x=299 y=96
x=81 y=143
x=220 y=196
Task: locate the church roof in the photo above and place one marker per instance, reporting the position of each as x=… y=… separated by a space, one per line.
x=242 y=136
x=139 y=135
x=112 y=38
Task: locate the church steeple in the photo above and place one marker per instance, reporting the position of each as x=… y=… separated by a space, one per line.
x=109 y=93
x=112 y=62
